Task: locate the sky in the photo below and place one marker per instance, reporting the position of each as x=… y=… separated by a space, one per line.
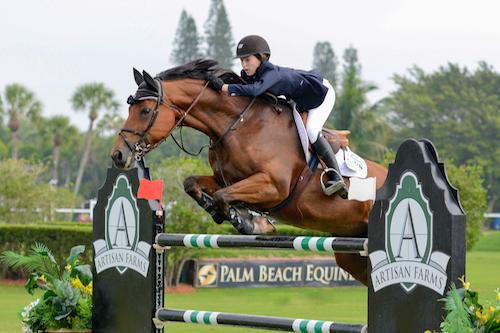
x=54 y=46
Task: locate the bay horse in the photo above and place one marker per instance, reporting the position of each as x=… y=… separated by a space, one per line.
x=255 y=155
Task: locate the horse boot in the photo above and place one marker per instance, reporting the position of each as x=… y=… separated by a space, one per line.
x=335 y=183
x=207 y=204
x=241 y=220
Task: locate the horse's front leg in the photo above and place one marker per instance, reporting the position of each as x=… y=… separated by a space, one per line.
x=256 y=189
x=201 y=189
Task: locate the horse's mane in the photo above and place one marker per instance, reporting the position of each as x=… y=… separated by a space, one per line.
x=200 y=69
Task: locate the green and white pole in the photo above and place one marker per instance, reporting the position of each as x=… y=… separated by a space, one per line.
x=303 y=243
x=251 y=321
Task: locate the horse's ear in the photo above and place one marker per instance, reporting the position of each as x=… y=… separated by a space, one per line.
x=149 y=80
x=138 y=77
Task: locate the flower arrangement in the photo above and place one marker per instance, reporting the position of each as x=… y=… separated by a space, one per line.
x=67 y=293
x=466 y=315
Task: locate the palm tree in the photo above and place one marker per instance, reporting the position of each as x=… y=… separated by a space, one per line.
x=91 y=98
x=59 y=130
x=19 y=102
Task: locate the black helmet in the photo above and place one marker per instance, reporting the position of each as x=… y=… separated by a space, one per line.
x=250 y=45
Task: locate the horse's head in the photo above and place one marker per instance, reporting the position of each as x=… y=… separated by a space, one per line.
x=146 y=125
x=153 y=115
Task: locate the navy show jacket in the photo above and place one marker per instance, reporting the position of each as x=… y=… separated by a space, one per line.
x=305 y=88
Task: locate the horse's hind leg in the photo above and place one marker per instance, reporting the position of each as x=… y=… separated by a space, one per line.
x=255 y=189
x=355 y=264
x=201 y=189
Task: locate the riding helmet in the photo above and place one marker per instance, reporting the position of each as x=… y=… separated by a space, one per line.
x=251 y=45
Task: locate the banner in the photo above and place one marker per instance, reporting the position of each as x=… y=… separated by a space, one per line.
x=271 y=273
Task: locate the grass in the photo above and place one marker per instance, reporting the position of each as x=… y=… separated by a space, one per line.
x=348 y=304
x=490 y=241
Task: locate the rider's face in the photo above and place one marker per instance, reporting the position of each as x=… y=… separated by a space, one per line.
x=250 y=64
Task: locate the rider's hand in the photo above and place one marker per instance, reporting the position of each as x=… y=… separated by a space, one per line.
x=215 y=83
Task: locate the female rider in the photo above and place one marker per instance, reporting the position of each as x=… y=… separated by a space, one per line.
x=308 y=89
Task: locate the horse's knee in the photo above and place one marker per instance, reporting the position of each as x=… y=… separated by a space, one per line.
x=219 y=201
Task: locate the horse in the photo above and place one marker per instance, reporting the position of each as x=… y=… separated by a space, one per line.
x=254 y=152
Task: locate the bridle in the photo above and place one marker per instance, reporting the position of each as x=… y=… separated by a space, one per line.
x=143 y=146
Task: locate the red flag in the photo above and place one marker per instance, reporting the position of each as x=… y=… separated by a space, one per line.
x=150 y=189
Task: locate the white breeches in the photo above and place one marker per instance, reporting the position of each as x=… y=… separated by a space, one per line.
x=317 y=117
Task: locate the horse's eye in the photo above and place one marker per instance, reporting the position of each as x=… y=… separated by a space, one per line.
x=146 y=111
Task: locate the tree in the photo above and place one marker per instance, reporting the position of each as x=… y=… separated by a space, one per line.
x=186 y=43
x=325 y=62
x=24 y=197
x=352 y=95
x=19 y=103
x=218 y=36
x=58 y=130
x=92 y=98
x=458 y=110
x=352 y=110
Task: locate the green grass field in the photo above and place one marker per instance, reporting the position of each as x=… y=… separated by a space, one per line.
x=340 y=304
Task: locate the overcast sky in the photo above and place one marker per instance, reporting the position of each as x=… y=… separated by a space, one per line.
x=54 y=46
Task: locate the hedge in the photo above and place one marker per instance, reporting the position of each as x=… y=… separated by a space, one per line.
x=60 y=237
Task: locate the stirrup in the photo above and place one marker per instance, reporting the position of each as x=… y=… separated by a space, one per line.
x=336 y=186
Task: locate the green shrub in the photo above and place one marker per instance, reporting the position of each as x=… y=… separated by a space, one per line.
x=23 y=197
x=468 y=179
x=60 y=238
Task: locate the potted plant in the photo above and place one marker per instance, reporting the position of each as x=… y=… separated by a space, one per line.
x=66 y=303
x=464 y=313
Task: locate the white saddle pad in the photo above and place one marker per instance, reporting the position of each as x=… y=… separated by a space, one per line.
x=350 y=164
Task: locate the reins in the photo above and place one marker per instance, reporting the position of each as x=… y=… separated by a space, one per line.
x=232 y=127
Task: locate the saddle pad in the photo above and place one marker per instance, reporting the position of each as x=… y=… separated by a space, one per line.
x=301 y=129
x=350 y=164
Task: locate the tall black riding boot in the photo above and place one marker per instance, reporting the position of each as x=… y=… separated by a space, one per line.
x=335 y=183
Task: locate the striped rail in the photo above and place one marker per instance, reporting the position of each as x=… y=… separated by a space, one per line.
x=263 y=322
x=313 y=244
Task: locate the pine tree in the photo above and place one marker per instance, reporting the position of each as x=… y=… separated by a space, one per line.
x=218 y=36
x=186 y=43
x=325 y=62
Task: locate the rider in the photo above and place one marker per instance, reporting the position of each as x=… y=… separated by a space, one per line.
x=308 y=89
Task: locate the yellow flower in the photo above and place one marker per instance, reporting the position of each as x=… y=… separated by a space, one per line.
x=42 y=277
x=485 y=318
x=466 y=285
x=88 y=288
x=76 y=283
x=68 y=268
x=478 y=314
x=491 y=309
x=427 y=331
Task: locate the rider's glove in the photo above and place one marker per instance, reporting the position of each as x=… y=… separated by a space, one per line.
x=215 y=83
